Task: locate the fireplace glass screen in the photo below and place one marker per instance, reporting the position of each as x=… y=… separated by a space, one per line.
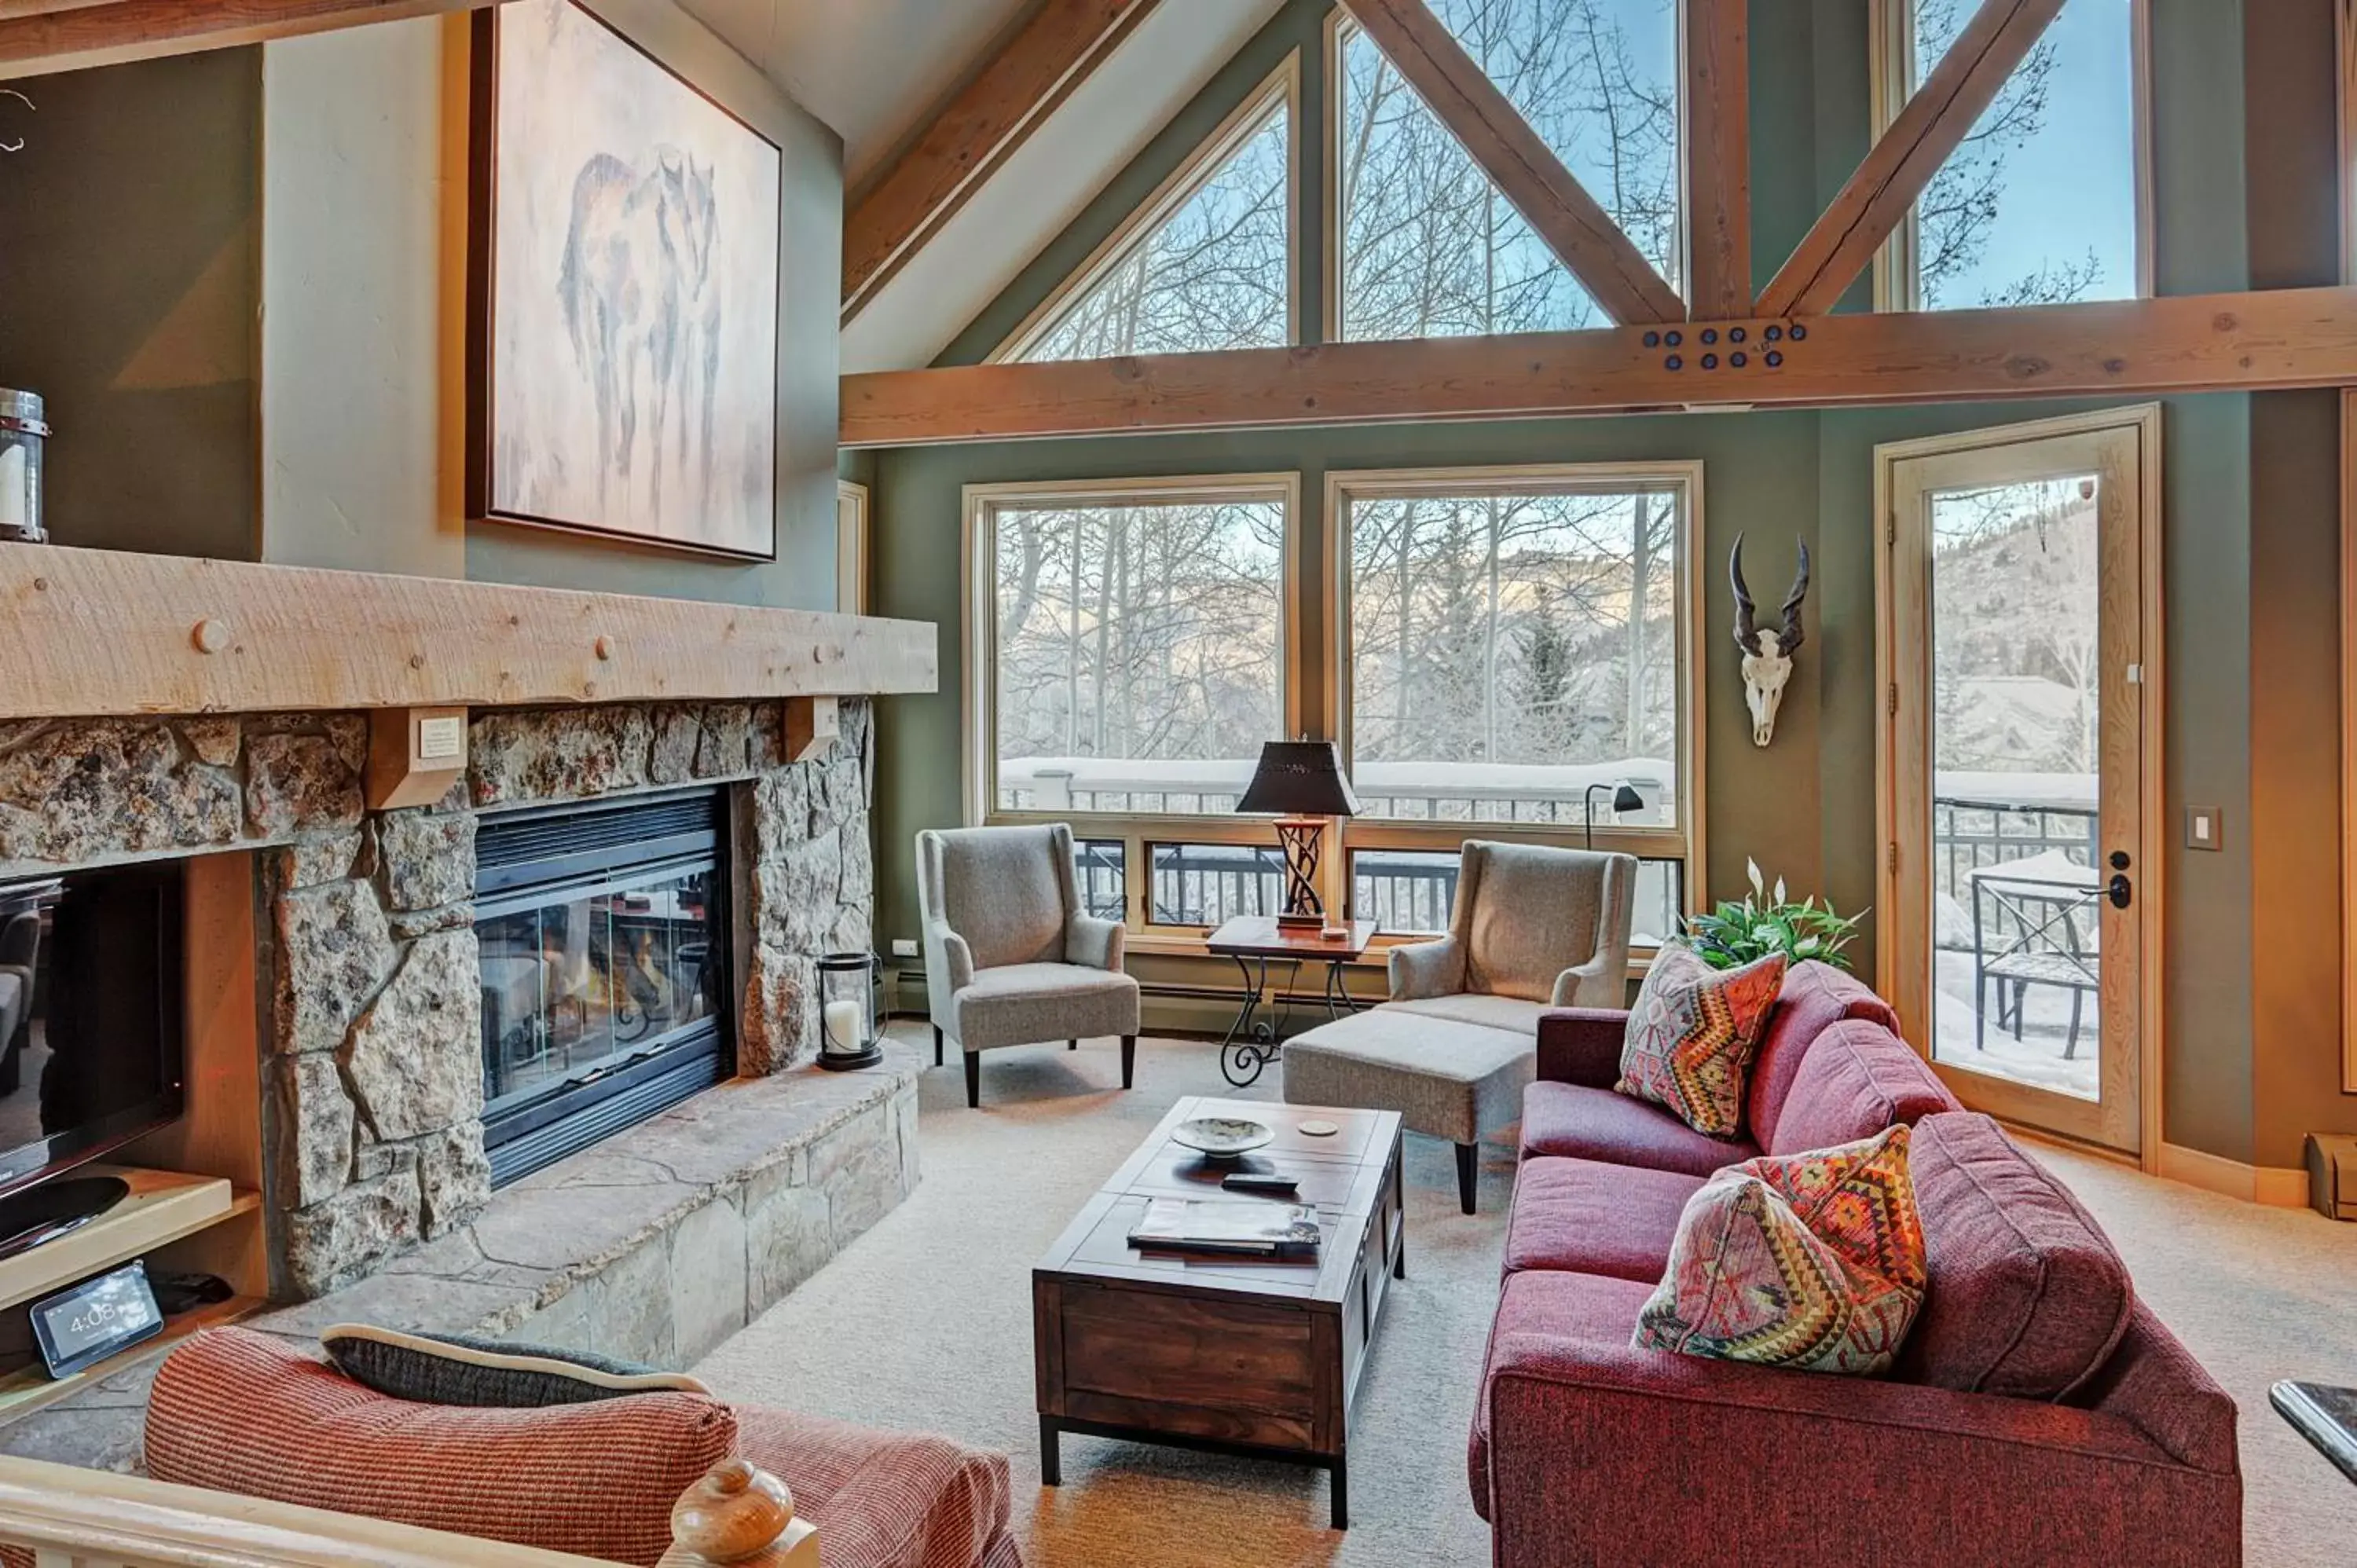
x=604 y=942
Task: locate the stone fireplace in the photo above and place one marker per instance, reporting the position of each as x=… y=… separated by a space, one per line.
x=372 y=970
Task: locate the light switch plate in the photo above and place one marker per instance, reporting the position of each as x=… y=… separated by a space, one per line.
x=2205 y=828
x=904 y=947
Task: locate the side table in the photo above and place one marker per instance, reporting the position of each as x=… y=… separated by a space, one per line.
x=1252 y=1043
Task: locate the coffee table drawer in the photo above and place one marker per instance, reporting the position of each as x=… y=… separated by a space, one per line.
x=1122 y=1349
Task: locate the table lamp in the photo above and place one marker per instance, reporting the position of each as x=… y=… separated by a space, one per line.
x=1300 y=783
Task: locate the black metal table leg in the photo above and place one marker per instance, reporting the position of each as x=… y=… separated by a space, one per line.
x=1241 y=1060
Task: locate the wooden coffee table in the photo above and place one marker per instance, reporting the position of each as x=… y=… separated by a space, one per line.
x=1233 y=1355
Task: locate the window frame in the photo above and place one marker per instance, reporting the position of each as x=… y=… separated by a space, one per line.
x=1682 y=843
x=1281 y=90
x=1890 y=61
x=1138 y=831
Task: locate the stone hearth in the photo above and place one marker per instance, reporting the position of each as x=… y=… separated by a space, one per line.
x=372 y=1068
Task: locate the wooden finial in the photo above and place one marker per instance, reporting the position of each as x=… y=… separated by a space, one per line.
x=739 y=1515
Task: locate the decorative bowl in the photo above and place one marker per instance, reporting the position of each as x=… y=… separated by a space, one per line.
x=1221 y=1137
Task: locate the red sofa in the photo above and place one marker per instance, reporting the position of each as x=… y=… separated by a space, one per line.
x=2039 y=1414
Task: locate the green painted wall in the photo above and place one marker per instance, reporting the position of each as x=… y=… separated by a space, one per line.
x=2251 y=962
x=130 y=217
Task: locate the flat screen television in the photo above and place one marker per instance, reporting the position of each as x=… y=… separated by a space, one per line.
x=91 y=1051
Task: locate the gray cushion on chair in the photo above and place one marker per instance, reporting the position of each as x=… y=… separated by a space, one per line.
x=1000 y=891
x=1529 y=912
x=1509 y=1013
x=1020 y=1003
x=1446 y=1078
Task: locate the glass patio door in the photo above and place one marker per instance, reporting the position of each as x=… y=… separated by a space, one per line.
x=2016 y=766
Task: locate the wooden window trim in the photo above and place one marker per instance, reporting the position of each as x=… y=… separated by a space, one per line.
x=1891 y=50
x=979 y=622
x=1279 y=92
x=1686 y=842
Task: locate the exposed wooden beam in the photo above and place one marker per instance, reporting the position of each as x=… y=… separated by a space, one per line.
x=93 y=633
x=2141 y=348
x=978 y=130
x=37 y=36
x=1717 y=43
x=1518 y=161
x=1868 y=209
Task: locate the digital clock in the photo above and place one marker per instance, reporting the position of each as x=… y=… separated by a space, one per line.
x=82 y=1326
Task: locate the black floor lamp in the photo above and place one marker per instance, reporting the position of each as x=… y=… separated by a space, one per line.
x=1624 y=798
x=1300 y=782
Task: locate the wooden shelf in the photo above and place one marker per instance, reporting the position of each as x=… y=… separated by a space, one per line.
x=101 y=633
x=29 y=1388
x=164 y=1207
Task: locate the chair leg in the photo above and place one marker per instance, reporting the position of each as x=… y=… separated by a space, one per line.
x=1128 y=1061
x=973 y=1081
x=937 y=1044
x=1469 y=1175
x=1071 y=1045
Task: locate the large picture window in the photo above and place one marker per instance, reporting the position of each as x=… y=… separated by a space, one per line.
x=2043 y=202
x=1136 y=647
x=1426 y=246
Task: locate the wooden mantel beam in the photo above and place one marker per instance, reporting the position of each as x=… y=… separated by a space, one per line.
x=2141 y=348
x=37 y=36
x=976 y=132
x=1518 y=161
x=99 y=633
x=1877 y=198
x=1717 y=44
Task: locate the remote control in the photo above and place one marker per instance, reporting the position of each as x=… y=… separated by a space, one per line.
x=1244 y=1183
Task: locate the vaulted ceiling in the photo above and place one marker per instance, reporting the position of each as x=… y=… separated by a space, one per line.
x=876 y=70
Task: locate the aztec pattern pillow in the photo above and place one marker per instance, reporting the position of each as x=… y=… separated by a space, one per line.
x=461 y=1370
x=1693 y=1033
x=1815 y=1262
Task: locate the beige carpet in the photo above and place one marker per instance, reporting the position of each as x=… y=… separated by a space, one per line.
x=925 y=1322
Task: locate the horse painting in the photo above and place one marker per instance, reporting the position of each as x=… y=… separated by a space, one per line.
x=631 y=373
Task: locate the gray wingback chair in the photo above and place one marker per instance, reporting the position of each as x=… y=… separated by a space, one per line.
x=1534 y=927
x=1012 y=958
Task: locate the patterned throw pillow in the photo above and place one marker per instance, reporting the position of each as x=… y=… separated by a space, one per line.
x=1693 y=1033
x=1813 y=1260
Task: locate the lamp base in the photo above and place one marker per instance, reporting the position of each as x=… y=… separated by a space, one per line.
x=1303 y=841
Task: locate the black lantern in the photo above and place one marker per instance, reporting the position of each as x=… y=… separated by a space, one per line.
x=847 y=1010
x=1301 y=783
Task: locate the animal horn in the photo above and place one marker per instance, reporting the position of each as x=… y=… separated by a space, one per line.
x=1747 y=630
x=1793 y=633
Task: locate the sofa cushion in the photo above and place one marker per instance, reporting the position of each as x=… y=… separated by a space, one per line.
x=1815 y=996
x=1452 y=1081
x=884 y=1499
x=1554 y=1305
x=1691 y=1036
x=1596 y=1218
x=466 y=1369
x=1814 y=1261
x=1854 y=1080
x=2028 y=1297
x=1477 y=1007
x=1586 y=1123
x=239 y=1411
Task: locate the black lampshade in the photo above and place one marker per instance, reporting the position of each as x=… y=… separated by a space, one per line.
x=1299 y=778
x=1625 y=798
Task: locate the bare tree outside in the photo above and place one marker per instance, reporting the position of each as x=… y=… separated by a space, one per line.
x=1429 y=248
x=1214 y=274
x=1987 y=232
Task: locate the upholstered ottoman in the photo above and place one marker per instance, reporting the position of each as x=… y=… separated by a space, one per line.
x=1447 y=1077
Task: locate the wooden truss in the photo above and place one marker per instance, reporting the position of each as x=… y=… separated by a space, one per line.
x=1720 y=347
x=37 y=36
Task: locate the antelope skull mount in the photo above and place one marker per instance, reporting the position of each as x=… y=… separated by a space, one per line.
x=1766 y=650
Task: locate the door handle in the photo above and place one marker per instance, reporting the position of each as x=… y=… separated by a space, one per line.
x=2122 y=892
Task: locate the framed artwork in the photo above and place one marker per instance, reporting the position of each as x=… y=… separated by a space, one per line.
x=623 y=298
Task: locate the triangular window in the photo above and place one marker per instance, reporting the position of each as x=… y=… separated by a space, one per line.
x=1204 y=264
x=1429 y=248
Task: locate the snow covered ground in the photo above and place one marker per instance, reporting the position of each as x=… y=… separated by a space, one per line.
x=2037 y=1059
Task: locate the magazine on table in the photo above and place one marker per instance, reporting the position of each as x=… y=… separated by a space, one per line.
x=1248 y=1227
